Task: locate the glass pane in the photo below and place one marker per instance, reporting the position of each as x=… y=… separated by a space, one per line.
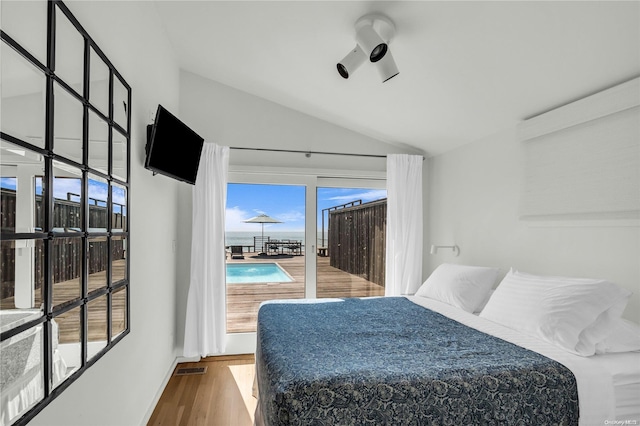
x=22 y=105
x=120 y=103
x=21 y=373
x=67 y=198
x=26 y=23
x=67 y=127
x=97 y=339
x=98 y=262
x=20 y=197
x=118 y=258
x=98 y=194
x=119 y=156
x=263 y=250
x=118 y=311
x=99 y=83
x=69 y=52
x=66 y=259
x=119 y=212
x=39 y=213
x=9 y=188
x=351 y=242
x=22 y=277
x=66 y=344
x=98 y=143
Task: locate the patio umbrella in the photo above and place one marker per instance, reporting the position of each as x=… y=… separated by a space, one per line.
x=262 y=219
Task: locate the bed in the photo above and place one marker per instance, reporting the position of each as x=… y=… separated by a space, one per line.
x=418 y=360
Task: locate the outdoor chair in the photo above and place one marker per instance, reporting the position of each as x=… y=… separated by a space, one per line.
x=295 y=248
x=236 y=252
x=273 y=248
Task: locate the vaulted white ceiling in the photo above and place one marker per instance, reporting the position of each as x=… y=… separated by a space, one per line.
x=467 y=69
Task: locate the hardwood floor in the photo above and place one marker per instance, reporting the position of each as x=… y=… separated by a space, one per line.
x=223 y=395
x=220 y=397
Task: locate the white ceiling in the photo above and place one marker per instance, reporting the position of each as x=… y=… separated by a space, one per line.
x=467 y=69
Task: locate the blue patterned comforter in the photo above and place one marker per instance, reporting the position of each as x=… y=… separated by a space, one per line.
x=388 y=361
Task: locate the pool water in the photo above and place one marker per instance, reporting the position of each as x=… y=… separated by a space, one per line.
x=239 y=273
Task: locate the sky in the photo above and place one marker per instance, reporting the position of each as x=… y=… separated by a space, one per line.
x=98 y=190
x=285 y=203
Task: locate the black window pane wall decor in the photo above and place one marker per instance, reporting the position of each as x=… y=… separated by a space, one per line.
x=65 y=118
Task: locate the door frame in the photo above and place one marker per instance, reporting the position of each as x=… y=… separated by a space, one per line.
x=244 y=343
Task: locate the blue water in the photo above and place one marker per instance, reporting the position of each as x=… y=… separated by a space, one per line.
x=256 y=273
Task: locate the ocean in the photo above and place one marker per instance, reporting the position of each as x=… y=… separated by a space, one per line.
x=245 y=238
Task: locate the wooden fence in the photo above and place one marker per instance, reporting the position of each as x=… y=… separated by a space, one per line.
x=66 y=213
x=66 y=253
x=357 y=238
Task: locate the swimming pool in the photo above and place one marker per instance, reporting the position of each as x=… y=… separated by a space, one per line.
x=244 y=273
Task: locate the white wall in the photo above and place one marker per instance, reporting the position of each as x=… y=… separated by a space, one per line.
x=230 y=117
x=474 y=196
x=122 y=385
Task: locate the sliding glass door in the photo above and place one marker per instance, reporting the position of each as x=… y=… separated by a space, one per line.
x=299 y=236
x=266 y=248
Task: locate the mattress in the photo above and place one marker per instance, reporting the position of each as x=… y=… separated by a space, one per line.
x=624 y=369
x=608 y=385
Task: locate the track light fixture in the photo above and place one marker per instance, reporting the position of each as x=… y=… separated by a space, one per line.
x=373 y=34
x=371 y=43
x=351 y=62
x=387 y=67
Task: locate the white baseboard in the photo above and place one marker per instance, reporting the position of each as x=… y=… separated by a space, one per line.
x=156 y=399
x=182 y=359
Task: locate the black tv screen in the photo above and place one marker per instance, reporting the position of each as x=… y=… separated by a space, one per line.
x=173 y=149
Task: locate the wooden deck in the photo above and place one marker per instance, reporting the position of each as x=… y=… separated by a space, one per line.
x=69 y=322
x=243 y=300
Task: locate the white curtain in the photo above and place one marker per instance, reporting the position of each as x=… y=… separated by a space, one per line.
x=404 y=224
x=205 y=327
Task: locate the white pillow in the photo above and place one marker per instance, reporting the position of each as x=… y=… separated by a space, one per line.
x=484 y=302
x=624 y=337
x=600 y=328
x=465 y=287
x=572 y=313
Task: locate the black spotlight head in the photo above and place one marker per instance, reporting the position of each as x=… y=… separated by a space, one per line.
x=378 y=52
x=342 y=70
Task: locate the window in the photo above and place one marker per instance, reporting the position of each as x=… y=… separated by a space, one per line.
x=64 y=150
x=352 y=224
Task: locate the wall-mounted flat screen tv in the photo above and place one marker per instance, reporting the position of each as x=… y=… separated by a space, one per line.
x=173 y=149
